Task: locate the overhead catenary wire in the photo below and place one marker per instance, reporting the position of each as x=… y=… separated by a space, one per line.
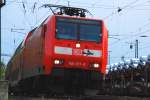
x=42 y=18
x=98 y=6
x=129 y=38
x=92 y=4
x=27 y=21
x=141 y=4
x=125 y=37
x=95 y=6
x=23 y=7
x=136 y=31
x=120 y=9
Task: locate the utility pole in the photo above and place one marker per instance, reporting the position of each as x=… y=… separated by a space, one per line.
x=109 y=56
x=137 y=46
x=68 y=3
x=136 y=49
x=2 y=3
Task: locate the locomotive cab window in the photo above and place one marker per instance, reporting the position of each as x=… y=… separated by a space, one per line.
x=90 y=33
x=66 y=30
x=77 y=29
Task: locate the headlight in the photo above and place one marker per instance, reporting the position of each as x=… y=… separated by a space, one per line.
x=77 y=45
x=57 y=61
x=96 y=65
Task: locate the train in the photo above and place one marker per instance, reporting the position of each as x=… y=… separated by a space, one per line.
x=67 y=53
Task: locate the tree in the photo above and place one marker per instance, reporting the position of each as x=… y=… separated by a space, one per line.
x=2 y=70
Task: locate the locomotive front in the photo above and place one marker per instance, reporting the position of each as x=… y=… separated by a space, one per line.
x=78 y=44
x=79 y=47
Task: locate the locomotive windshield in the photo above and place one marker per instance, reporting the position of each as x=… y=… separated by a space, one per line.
x=76 y=29
x=66 y=30
x=89 y=32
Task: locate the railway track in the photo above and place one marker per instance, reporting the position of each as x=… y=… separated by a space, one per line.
x=45 y=98
x=98 y=97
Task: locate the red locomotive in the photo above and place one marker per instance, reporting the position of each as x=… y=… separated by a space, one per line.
x=64 y=52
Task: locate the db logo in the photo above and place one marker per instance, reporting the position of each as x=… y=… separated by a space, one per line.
x=77 y=52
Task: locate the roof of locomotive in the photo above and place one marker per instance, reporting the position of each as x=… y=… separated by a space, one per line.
x=77 y=17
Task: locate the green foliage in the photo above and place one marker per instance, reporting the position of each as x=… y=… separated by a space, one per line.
x=2 y=70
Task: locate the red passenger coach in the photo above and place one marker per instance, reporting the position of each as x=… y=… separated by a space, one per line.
x=64 y=51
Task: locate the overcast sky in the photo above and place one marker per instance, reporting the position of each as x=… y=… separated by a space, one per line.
x=126 y=20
